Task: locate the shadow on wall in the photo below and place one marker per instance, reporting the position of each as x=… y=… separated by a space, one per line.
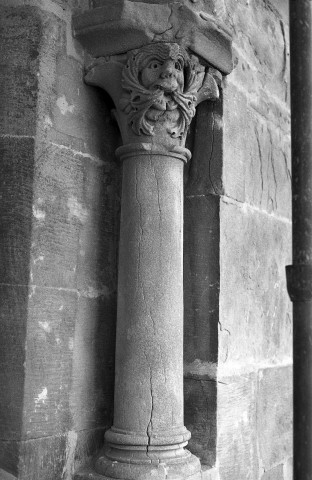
x=203 y=188
x=93 y=368
x=16 y=180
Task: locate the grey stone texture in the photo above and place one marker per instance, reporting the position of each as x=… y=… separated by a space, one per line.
x=250 y=424
x=60 y=201
x=148 y=357
x=254 y=426
x=190 y=24
x=59 y=235
x=148 y=433
x=155 y=91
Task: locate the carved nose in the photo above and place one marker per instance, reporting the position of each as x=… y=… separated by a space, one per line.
x=166 y=74
x=167 y=71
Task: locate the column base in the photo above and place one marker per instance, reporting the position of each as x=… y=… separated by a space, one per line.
x=186 y=468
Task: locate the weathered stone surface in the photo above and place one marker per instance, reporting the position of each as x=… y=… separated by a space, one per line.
x=18 y=98
x=209 y=473
x=9 y=459
x=201 y=280
x=92 y=378
x=75 y=134
x=155 y=90
x=143 y=23
x=272 y=163
x=256 y=165
x=4 y=475
x=255 y=319
x=204 y=172
x=201 y=315
x=75 y=222
x=255 y=314
x=19 y=67
x=81 y=447
x=260 y=37
x=13 y=311
x=68 y=112
x=50 y=335
x=237 y=454
x=42 y=458
x=275 y=473
x=150 y=249
x=49 y=184
x=51 y=457
x=254 y=411
x=200 y=416
x=75 y=115
x=63 y=6
x=274 y=415
x=288 y=469
x=16 y=185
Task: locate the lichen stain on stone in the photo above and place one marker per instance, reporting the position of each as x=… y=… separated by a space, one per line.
x=38 y=213
x=40 y=258
x=76 y=210
x=47 y=122
x=64 y=106
x=45 y=326
x=42 y=396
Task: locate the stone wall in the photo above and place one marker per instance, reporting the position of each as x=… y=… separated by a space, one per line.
x=247 y=431
x=238 y=384
x=255 y=344
x=59 y=210
x=59 y=234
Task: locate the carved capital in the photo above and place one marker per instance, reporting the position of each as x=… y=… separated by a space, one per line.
x=161 y=83
x=155 y=89
x=157 y=60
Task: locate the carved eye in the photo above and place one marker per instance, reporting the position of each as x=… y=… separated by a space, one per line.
x=178 y=66
x=154 y=65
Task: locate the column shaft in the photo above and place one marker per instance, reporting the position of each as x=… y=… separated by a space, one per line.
x=148 y=432
x=149 y=365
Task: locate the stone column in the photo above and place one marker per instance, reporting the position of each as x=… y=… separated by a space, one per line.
x=147 y=59
x=148 y=429
x=155 y=90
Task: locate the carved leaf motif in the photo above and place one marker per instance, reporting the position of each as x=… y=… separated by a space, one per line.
x=161 y=82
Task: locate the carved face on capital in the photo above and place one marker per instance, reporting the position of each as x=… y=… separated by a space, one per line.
x=166 y=75
x=160 y=83
x=161 y=66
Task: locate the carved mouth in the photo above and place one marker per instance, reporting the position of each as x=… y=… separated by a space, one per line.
x=168 y=86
